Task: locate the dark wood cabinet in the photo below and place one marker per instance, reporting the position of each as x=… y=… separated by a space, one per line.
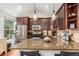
x=68 y=16
x=72 y=15
x=60 y=19
x=22 y=20
x=44 y=22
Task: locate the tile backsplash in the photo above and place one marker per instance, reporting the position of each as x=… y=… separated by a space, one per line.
x=75 y=33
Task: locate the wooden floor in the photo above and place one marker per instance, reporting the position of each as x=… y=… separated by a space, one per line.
x=11 y=53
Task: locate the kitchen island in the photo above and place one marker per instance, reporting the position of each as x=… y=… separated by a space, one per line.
x=43 y=48
x=29 y=44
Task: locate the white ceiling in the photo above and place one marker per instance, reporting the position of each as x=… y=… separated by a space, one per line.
x=28 y=9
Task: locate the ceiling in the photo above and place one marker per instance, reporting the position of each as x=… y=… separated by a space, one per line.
x=27 y=9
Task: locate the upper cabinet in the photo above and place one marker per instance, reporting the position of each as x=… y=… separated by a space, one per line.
x=72 y=15
x=22 y=20
x=68 y=16
x=60 y=19
x=44 y=22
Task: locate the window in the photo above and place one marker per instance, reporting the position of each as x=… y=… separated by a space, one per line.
x=8 y=28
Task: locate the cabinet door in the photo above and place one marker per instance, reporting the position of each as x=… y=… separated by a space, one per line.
x=61 y=18
x=19 y=21
x=45 y=23
x=25 y=21
x=22 y=20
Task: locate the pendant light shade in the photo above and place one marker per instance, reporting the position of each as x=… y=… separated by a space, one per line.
x=35 y=16
x=53 y=14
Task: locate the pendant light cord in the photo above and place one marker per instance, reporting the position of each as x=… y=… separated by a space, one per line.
x=34 y=8
x=53 y=13
x=53 y=7
x=35 y=16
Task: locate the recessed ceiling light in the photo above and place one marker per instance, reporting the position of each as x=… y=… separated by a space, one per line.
x=19 y=8
x=46 y=6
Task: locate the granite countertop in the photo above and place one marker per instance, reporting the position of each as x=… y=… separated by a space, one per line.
x=28 y=44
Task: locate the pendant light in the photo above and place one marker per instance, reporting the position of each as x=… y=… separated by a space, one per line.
x=53 y=14
x=35 y=16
